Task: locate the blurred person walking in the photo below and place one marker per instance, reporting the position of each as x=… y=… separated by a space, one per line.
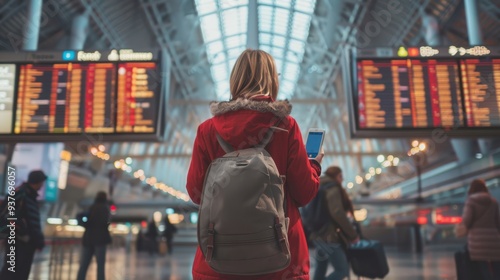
x=243 y=123
x=152 y=238
x=481 y=219
x=168 y=233
x=28 y=231
x=96 y=237
x=332 y=239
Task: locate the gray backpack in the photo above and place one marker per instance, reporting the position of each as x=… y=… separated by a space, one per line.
x=242 y=228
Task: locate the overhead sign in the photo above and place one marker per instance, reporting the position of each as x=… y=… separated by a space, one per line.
x=413 y=91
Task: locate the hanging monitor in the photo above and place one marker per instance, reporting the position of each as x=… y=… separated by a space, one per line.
x=415 y=91
x=111 y=95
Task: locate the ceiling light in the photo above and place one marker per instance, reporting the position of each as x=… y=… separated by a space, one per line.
x=380 y=158
x=359 y=179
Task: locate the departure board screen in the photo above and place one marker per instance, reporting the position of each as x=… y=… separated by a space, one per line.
x=408 y=94
x=136 y=97
x=481 y=80
x=414 y=91
x=7 y=89
x=64 y=96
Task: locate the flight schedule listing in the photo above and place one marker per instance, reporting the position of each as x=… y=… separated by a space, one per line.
x=409 y=93
x=136 y=108
x=66 y=98
x=7 y=86
x=481 y=84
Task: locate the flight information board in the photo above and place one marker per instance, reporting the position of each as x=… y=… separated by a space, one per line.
x=44 y=96
x=136 y=98
x=481 y=81
x=411 y=92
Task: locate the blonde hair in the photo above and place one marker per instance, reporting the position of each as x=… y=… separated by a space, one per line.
x=254 y=74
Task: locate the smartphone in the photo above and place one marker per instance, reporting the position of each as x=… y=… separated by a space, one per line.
x=314 y=141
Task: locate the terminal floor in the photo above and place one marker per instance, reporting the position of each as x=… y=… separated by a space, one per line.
x=434 y=263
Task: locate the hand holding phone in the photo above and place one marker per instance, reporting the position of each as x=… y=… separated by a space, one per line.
x=314 y=142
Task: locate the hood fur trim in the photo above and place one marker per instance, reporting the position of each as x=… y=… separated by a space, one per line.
x=281 y=108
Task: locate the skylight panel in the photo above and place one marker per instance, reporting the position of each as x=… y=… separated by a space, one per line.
x=285 y=4
x=233 y=42
x=224 y=43
x=215 y=47
x=305 y=6
x=234 y=53
x=292 y=57
x=281 y=27
x=219 y=72
x=219 y=58
x=283 y=30
x=296 y=46
x=211 y=34
x=286 y=41
x=277 y=52
x=228 y=4
x=265 y=39
x=269 y=2
x=205 y=7
x=279 y=41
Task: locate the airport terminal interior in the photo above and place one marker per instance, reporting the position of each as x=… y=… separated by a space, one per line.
x=107 y=95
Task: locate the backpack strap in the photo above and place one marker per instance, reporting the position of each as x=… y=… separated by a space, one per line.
x=225 y=146
x=268 y=135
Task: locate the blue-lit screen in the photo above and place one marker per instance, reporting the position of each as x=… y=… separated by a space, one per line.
x=313 y=143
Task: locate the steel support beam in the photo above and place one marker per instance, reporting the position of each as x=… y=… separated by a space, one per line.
x=253 y=26
x=32 y=25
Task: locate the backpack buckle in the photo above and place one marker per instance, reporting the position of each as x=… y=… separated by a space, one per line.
x=210 y=241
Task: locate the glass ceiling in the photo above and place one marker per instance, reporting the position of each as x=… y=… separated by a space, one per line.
x=283 y=31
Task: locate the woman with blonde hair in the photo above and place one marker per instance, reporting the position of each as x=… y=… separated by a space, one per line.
x=242 y=122
x=481 y=218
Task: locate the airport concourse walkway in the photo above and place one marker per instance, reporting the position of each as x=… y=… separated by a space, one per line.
x=435 y=263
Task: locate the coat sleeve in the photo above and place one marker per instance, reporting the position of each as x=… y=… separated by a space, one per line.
x=337 y=212
x=198 y=167
x=302 y=174
x=468 y=216
x=498 y=219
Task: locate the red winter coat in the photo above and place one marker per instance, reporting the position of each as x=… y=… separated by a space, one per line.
x=242 y=123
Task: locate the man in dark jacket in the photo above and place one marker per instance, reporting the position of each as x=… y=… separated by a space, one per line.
x=333 y=238
x=28 y=234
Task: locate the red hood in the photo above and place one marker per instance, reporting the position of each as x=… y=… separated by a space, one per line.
x=242 y=122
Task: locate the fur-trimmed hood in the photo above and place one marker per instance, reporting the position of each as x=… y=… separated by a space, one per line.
x=243 y=121
x=281 y=108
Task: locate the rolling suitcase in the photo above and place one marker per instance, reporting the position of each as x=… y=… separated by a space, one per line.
x=367 y=258
x=466 y=270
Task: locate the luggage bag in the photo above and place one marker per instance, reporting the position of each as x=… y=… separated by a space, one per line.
x=464 y=266
x=367 y=258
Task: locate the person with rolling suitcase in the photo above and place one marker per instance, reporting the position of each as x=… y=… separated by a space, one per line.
x=331 y=230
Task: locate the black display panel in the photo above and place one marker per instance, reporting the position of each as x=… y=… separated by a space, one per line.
x=74 y=95
x=413 y=92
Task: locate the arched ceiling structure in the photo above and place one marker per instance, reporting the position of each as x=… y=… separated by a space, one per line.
x=203 y=38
